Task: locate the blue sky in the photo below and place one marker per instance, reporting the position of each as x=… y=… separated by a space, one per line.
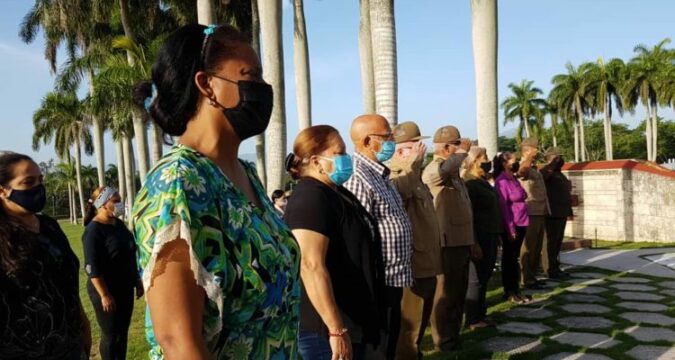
x=435 y=60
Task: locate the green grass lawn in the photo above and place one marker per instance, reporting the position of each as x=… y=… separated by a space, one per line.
x=472 y=340
x=138 y=347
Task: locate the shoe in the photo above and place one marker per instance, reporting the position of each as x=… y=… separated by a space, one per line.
x=559 y=275
x=534 y=286
x=526 y=298
x=516 y=299
x=480 y=325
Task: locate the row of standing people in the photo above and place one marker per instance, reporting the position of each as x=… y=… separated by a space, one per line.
x=415 y=215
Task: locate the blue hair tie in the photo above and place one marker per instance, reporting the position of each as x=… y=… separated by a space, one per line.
x=210 y=29
x=150 y=99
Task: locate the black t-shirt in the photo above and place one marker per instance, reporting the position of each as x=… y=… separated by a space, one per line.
x=353 y=257
x=40 y=304
x=110 y=253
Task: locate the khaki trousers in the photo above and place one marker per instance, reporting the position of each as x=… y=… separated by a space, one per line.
x=416 y=307
x=448 y=311
x=530 y=253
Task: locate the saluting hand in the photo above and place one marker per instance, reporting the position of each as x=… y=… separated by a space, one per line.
x=419 y=150
x=465 y=144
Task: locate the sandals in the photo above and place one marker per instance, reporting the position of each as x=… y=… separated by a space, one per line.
x=519 y=299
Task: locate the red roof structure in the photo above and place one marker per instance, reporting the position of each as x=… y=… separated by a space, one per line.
x=640 y=165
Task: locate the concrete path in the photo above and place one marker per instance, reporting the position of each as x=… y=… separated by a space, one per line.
x=654 y=262
x=627 y=321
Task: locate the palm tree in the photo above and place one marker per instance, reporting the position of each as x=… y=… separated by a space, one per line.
x=605 y=80
x=61 y=117
x=526 y=106
x=484 y=37
x=65 y=177
x=68 y=21
x=89 y=178
x=572 y=97
x=273 y=64
x=259 y=139
x=647 y=78
x=383 y=32
x=366 y=54
x=129 y=44
x=301 y=56
x=111 y=175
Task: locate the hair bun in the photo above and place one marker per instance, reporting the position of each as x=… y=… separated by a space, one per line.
x=290 y=162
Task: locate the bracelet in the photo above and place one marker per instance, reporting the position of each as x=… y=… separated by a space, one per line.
x=339 y=333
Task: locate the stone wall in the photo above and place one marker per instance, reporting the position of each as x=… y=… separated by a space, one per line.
x=622 y=201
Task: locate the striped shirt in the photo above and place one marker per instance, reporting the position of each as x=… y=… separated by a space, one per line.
x=371 y=185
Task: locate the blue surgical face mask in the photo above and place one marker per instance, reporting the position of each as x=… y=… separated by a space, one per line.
x=342 y=168
x=387 y=151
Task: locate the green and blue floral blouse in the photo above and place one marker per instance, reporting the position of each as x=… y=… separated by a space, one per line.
x=244 y=257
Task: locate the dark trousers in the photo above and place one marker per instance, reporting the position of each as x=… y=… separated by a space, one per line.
x=314 y=346
x=479 y=276
x=416 y=306
x=393 y=296
x=530 y=253
x=115 y=324
x=555 y=233
x=446 y=317
x=510 y=266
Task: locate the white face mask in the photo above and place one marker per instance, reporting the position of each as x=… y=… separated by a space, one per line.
x=120 y=211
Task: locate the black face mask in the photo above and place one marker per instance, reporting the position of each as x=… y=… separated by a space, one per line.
x=515 y=167
x=252 y=115
x=486 y=166
x=558 y=163
x=32 y=199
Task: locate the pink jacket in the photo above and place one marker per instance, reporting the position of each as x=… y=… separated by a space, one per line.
x=512 y=198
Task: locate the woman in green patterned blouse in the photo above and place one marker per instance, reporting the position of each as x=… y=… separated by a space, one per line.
x=220 y=268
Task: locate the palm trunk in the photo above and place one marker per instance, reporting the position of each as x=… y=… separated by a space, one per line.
x=608 y=131
x=128 y=170
x=273 y=64
x=582 y=138
x=527 y=128
x=157 y=141
x=206 y=12
x=141 y=137
x=78 y=176
x=648 y=133
x=484 y=38
x=554 y=128
x=655 y=133
x=71 y=204
x=576 y=142
x=383 y=32
x=99 y=149
x=366 y=55
x=259 y=139
x=302 y=76
x=140 y=132
x=121 y=185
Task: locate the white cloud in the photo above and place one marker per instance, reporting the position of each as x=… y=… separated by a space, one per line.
x=20 y=53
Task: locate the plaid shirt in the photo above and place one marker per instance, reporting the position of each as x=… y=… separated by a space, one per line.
x=370 y=184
